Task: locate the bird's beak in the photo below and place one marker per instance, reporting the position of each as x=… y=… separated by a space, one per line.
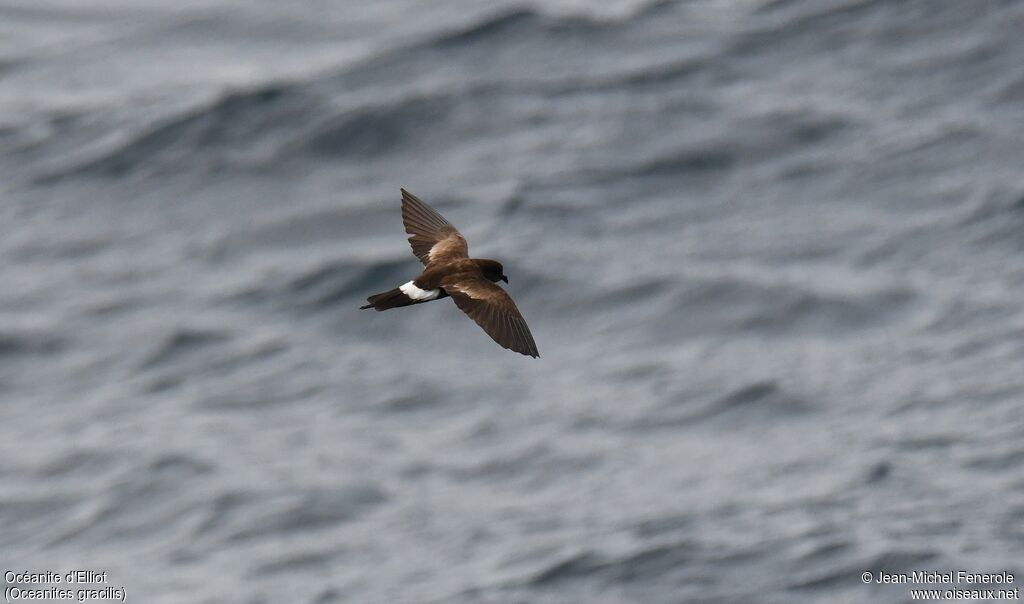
x=504 y=278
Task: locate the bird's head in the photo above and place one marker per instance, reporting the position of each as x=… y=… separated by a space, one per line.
x=493 y=270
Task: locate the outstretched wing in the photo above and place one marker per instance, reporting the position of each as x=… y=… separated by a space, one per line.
x=434 y=239
x=493 y=310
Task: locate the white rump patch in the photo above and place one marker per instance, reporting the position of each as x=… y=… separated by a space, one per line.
x=416 y=293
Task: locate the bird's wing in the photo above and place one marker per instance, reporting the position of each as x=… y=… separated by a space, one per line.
x=493 y=310
x=434 y=239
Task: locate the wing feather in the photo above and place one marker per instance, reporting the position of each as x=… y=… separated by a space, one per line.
x=433 y=239
x=493 y=310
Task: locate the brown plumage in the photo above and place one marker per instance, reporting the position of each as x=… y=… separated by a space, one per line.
x=449 y=271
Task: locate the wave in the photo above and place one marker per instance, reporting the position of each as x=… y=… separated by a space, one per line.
x=406 y=124
x=515 y=22
x=799 y=18
x=1012 y=92
x=339 y=281
x=997 y=461
x=316 y=561
x=758 y=403
x=769 y=134
x=747 y=306
x=643 y=565
x=519 y=23
x=536 y=465
x=997 y=218
x=141 y=502
x=30 y=517
x=248 y=517
x=22 y=342
x=227 y=130
x=182 y=343
x=79 y=461
x=367 y=108
x=688 y=161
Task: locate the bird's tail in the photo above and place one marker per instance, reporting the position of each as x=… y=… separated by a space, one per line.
x=389 y=299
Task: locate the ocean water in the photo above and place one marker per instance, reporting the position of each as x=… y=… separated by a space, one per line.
x=771 y=253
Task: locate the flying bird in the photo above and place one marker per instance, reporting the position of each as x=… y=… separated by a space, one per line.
x=449 y=271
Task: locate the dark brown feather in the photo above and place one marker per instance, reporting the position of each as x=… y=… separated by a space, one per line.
x=493 y=310
x=388 y=299
x=433 y=239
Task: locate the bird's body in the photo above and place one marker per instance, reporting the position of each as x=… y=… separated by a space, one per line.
x=449 y=271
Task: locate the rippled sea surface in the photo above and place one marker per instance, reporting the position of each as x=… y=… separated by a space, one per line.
x=771 y=253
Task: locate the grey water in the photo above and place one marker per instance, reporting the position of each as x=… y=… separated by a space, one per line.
x=772 y=253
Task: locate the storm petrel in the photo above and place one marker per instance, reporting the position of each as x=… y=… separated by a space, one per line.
x=449 y=271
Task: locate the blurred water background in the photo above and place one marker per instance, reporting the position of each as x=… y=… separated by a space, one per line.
x=770 y=250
